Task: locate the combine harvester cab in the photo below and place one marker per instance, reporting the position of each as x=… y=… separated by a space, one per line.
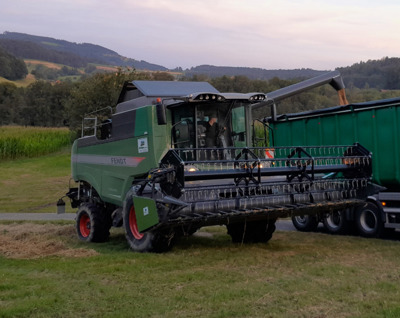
x=176 y=156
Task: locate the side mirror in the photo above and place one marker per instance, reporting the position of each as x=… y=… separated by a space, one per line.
x=161 y=113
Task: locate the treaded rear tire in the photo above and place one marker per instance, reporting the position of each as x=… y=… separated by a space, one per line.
x=155 y=241
x=368 y=221
x=305 y=223
x=92 y=223
x=336 y=222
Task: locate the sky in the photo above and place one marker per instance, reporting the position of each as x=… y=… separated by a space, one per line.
x=279 y=34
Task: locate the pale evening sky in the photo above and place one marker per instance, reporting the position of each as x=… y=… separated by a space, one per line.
x=280 y=34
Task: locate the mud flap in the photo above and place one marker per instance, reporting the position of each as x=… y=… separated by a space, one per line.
x=146 y=213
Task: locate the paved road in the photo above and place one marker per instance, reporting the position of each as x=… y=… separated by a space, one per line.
x=281 y=225
x=36 y=216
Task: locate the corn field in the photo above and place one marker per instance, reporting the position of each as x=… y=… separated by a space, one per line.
x=19 y=142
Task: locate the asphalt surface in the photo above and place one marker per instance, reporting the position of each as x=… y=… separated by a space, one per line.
x=281 y=225
x=36 y=216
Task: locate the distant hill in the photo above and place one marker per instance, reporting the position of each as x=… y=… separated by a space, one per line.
x=252 y=73
x=74 y=54
x=380 y=74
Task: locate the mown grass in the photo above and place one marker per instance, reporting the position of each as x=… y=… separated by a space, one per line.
x=18 y=142
x=294 y=275
x=35 y=184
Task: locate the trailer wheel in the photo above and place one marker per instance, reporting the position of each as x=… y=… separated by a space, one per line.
x=92 y=223
x=368 y=220
x=156 y=241
x=305 y=223
x=263 y=230
x=336 y=222
x=251 y=232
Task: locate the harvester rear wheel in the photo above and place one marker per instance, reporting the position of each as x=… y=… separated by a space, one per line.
x=156 y=241
x=92 y=223
x=251 y=232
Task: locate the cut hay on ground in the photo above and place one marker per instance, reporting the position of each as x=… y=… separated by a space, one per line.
x=31 y=241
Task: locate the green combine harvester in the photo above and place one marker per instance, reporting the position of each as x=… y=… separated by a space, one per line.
x=176 y=156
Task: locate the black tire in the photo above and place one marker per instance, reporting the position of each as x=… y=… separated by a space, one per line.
x=336 y=222
x=252 y=232
x=368 y=220
x=305 y=223
x=155 y=241
x=92 y=223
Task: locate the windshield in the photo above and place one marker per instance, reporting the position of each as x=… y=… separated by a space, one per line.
x=209 y=125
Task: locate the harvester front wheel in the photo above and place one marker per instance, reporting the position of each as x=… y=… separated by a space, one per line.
x=155 y=241
x=92 y=224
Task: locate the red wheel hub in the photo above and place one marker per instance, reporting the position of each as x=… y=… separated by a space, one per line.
x=133 y=225
x=84 y=225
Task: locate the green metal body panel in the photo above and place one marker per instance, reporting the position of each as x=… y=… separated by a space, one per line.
x=111 y=165
x=375 y=125
x=146 y=212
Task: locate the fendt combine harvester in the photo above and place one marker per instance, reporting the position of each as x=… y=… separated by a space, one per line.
x=176 y=156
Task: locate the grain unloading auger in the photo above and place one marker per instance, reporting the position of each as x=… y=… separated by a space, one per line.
x=176 y=156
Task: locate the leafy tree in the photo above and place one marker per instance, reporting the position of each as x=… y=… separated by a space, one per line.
x=11 y=68
x=162 y=76
x=10 y=102
x=97 y=92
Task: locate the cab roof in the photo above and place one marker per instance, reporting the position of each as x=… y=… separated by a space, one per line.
x=137 y=94
x=163 y=89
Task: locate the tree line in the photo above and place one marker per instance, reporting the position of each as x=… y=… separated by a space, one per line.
x=11 y=67
x=64 y=103
x=379 y=74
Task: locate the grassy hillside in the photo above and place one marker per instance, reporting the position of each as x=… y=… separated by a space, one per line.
x=68 y=53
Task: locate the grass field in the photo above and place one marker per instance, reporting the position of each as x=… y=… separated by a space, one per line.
x=45 y=271
x=35 y=185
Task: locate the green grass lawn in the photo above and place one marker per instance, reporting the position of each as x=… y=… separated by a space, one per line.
x=294 y=275
x=34 y=185
x=45 y=271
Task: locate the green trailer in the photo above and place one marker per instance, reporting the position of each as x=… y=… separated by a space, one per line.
x=375 y=125
x=172 y=157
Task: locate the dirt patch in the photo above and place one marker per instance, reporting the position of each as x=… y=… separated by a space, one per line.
x=30 y=241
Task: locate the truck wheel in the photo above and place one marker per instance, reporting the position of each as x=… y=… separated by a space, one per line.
x=156 y=241
x=251 y=232
x=336 y=222
x=92 y=224
x=368 y=220
x=305 y=223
